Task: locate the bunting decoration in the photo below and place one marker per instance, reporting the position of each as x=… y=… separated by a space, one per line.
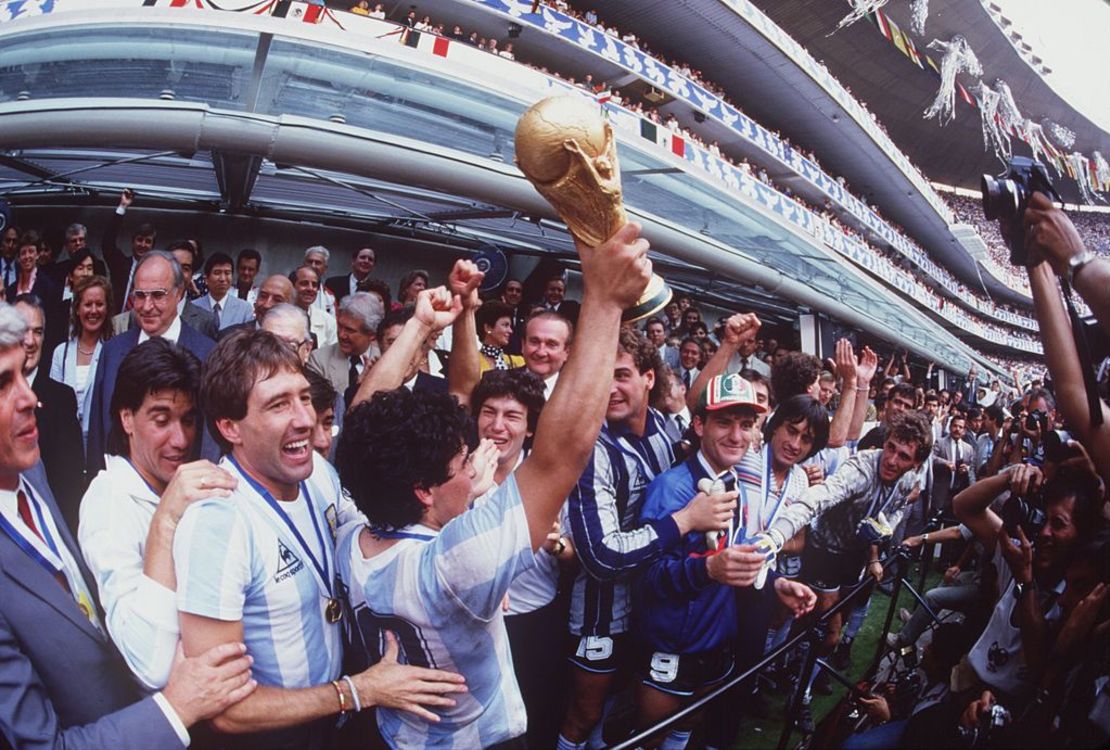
x=860 y=8
x=1008 y=111
x=957 y=57
x=994 y=137
x=1081 y=173
x=1000 y=117
x=919 y=13
x=1033 y=134
x=1102 y=171
x=1062 y=136
x=901 y=40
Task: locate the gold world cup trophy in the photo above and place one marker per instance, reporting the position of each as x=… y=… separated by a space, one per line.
x=567 y=151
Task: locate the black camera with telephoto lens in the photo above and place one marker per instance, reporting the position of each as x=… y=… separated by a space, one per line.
x=1005 y=199
x=1026 y=514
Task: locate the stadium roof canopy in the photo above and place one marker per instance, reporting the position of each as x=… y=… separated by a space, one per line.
x=898 y=92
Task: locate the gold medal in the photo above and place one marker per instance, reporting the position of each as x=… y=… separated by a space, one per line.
x=334 y=611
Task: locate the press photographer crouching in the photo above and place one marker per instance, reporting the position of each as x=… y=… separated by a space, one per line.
x=1060 y=510
x=904 y=707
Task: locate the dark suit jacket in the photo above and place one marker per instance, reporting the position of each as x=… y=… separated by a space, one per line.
x=54 y=309
x=340 y=286
x=119 y=263
x=111 y=355
x=569 y=309
x=426 y=383
x=59 y=269
x=250 y=325
x=61 y=680
x=196 y=316
x=60 y=442
x=201 y=320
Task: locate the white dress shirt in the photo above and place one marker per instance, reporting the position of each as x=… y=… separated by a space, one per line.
x=116 y=512
x=549 y=385
x=325 y=301
x=173 y=333
x=752 y=362
x=323 y=326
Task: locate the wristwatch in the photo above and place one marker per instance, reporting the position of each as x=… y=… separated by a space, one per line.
x=1077 y=262
x=1020 y=587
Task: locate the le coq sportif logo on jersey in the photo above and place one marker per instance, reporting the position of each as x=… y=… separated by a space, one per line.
x=289 y=565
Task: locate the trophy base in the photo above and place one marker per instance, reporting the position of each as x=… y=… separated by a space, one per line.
x=654 y=299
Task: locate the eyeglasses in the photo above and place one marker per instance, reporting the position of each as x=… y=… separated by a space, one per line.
x=295 y=345
x=157 y=296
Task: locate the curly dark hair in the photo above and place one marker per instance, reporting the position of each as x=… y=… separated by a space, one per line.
x=394 y=443
x=522 y=385
x=1084 y=488
x=644 y=355
x=488 y=315
x=912 y=427
x=794 y=375
x=379 y=287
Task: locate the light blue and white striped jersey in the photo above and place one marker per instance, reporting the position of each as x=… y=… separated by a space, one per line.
x=237 y=560
x=765 y=503
x=440 y=595
x=603 y=514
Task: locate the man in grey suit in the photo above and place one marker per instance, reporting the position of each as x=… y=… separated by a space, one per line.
x=343 y=362
x=80 y=695
x=227 y=309
x=953 y=464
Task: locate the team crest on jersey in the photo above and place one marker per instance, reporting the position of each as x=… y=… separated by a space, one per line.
x=333 y=520
x=288 y=563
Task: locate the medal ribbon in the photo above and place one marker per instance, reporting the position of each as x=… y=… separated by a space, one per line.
x=768 y=478
x=44 y=551
x=321 y=569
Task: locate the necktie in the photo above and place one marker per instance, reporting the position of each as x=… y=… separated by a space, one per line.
x=955 y=460
x=127 y=290
x=24 y=509
x=743 y=363
x=352 y=374
x=216 y=314
x=678 y=427
x=686 y=378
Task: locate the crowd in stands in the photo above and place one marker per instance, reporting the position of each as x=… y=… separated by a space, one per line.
x=919 y=269
x=959 y=290
x=277 y=508
x=1093 y=227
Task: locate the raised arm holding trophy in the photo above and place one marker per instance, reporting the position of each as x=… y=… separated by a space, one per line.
x=567 y=151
